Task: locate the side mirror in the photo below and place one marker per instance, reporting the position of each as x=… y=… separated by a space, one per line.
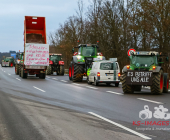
x=167 y=58
x=73 y=50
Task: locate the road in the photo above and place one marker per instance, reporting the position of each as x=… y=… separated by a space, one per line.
x=58 y=109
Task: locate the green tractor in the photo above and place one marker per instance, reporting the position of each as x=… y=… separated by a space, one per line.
x=55 y=64
x=145 y=70
x=19 y=61
x=8 y=62
x=82 y=60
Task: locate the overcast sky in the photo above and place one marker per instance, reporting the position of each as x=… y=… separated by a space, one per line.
x=12 y=14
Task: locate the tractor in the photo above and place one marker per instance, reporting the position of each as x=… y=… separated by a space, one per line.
x=145 y=70
x=18 y=61
x=55 y=64
x=82 y=60
x=8 y=62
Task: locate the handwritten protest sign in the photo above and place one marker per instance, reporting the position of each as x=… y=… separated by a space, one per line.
x=139 y=77
x=36 y=54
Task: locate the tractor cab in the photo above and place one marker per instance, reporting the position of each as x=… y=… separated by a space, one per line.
x=55 y=57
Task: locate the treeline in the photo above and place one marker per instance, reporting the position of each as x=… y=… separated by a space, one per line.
x=118 y=25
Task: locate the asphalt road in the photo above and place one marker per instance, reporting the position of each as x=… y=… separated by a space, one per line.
x=56 y=108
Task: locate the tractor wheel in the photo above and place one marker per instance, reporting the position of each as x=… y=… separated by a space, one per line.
x=138 y=88
x=116 y=84
x=19 y=71
x=70 y=72
x=61 y=70
x=157 y=83
x=126 y=88
x=77 y=72
x=16 y=69
x=49 y=70
x=23 y=75
x=166 y=83
x=42 y=75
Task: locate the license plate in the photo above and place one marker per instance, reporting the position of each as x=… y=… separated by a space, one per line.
x=109 y=74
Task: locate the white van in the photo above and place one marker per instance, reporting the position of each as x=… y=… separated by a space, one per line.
x=106 y=71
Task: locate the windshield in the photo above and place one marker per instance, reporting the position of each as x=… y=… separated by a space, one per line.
x=106 y=66
x=9 y=58
x=88 y=51
x=55 y=58
x=142 y=61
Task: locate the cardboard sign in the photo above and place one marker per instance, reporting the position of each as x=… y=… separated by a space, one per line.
x=139 y=77
x=36 y=54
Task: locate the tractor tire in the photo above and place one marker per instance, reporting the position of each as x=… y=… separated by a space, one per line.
x=17 y=69
x=138 y=88
x=157 y=83
x=70 y=72
x=61 y=70
x=42 y=75
x=49 y=70
x=23 y=75
x=166 y=83
x=126 y=88
x=77 y=72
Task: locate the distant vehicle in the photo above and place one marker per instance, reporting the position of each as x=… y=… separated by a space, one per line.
x=8 y=62
x=36 y=49
x=55 y=64
x=18 y=62
x=106 y=71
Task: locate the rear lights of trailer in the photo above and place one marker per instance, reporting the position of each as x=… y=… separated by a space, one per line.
x=118 y=74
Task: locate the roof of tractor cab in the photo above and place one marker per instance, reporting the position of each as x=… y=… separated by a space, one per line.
x=87 y=45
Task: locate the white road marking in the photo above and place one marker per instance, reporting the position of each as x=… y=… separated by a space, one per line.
x=115 y=92
x=121 y=126
x=55 y=78
x=9 y=74
x=63 y=81
x=91 y=87
x=47 y=77
x=39 y=89
x=75 y=84
x=150 y=101
x=18 y=79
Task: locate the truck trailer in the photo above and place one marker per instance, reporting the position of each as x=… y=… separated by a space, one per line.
x=36 y=49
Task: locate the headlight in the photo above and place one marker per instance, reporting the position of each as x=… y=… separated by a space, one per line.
x=78 y=57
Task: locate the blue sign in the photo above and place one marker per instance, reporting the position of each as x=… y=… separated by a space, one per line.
x=13 y=55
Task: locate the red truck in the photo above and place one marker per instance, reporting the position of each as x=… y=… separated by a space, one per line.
x=36 y=49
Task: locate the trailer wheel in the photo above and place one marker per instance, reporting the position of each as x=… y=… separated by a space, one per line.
x=126 y=88
x=77 y=72
x=166 y=83
x=23 y=75
x=16 y=69
x=42 y=75
x=157 y=83
x=70 y=73
x=61 y=70
x=49 y=70
x=137 y=88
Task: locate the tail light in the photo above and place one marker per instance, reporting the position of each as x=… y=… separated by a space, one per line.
x=118 y=74
x=98 y=74
x=61 y=62
x=128 y=67
x=154 y=67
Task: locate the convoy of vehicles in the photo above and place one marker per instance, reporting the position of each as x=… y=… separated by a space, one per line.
x=55 y=64
x=145 y=70
x=36 y=49
x=81 y=61
x=104 y=71
x=8 y=62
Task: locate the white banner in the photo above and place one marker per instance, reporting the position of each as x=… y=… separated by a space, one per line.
x=36 y=54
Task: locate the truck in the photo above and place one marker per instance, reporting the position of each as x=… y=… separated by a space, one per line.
x=145 y=69
x=82 y=60
x=55 y=64
x=8 y=62
x=36 y=49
